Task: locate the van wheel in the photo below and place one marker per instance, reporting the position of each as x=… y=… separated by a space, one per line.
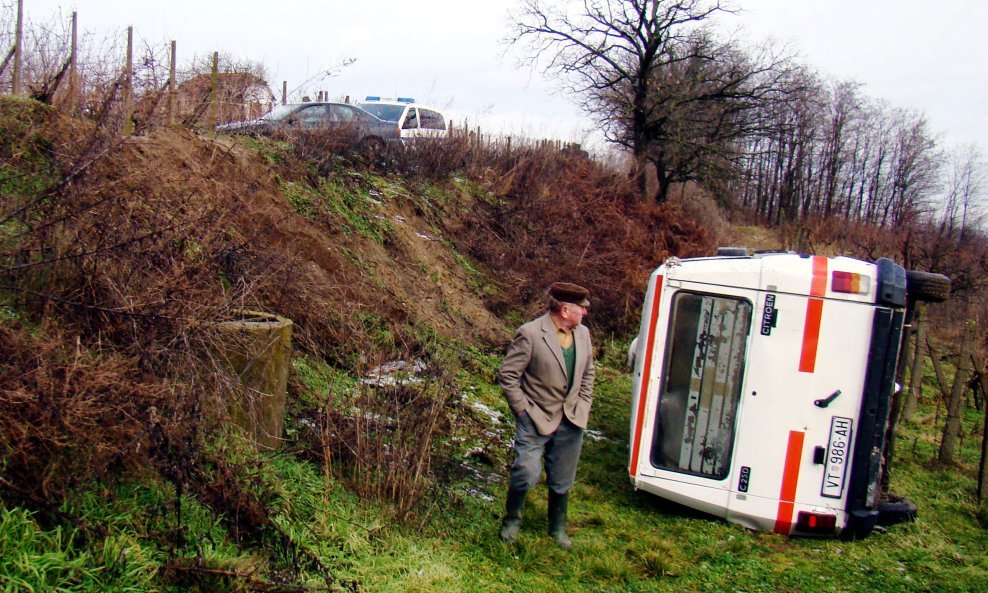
x=896 y=509
x=927 y=286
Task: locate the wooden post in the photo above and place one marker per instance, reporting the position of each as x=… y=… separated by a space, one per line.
x=937 y=368
x=18 y=37
x=982 y=469
x=284 y=92
x=73 y=94
x=171 y=85
x=214 y=83
x=952 y=428
x=128 y=83
x=916 y=368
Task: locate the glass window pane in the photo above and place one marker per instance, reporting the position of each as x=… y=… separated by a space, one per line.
x=312 y=117
x=431 y=120
x=411 y=120
x=704 y=368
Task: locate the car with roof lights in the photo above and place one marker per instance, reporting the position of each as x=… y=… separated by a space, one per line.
x=415 y=121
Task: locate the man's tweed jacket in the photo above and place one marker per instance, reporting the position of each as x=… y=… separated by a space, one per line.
x=533 y=376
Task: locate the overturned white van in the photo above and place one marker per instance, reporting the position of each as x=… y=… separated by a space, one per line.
x=763 y=386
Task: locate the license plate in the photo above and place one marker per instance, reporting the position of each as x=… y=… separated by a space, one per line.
x=838 y=456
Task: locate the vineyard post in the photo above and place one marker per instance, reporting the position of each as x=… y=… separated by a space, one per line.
x=128 y=83
x=73 y=94
x=18 y=37
x=171 y=85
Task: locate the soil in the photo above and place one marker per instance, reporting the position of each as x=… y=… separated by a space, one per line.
x=413 y=279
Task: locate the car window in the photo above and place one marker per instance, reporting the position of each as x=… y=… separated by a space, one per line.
x=280 y=113
x=411 y=119
x=341 y=113
x=432 y=120
x=312 y=116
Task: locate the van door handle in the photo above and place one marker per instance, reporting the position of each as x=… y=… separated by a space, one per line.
x=823 y=403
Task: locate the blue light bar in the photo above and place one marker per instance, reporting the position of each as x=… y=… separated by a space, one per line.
x=405 y=100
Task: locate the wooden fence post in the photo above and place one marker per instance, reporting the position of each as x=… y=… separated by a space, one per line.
x=18 y=38
x=214 y=83
x=128 y=83
x=284 y=92
x=73 y=94
x=916 y=368
x=171 y=85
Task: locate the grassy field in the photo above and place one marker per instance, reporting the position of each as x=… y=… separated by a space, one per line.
x=622 y=540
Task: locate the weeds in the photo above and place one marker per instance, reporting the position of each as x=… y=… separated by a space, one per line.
x=382 y=440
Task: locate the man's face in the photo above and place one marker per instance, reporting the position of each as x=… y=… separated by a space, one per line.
x=573 y=313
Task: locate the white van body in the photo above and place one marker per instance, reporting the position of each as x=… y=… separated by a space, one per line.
x=763 y=385
x=415 y=121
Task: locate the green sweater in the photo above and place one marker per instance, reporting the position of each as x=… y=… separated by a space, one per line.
x=569 y=357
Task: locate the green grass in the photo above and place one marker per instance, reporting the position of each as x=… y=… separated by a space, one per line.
x=624 y=541
x=274 y=152
x=357 y=207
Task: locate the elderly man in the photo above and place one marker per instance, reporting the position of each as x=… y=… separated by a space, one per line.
x=547 y=377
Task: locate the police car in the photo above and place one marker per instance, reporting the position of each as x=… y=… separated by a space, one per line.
x=414 y=121
x=763 y=385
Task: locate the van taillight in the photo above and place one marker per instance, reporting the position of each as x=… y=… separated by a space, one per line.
x=849 y=282
x=816 y=522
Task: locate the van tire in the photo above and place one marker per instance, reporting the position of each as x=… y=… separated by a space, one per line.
x=896 y=509
x=927 y=286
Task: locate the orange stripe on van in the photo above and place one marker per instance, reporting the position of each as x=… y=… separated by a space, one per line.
x=790 y=478
x=646 y=374
x=814 y=316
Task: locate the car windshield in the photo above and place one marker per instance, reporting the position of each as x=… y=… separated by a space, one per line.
x=383 y=111
x=279 y=113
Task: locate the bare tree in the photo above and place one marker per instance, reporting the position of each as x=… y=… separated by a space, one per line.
x=963 y=206
x=914 y=171
x=609 y=55
x=844 y=108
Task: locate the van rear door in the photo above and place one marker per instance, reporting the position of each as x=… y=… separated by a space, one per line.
x=691 y=425
x=800 y=407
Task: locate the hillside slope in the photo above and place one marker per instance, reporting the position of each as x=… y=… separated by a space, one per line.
x=121 y=470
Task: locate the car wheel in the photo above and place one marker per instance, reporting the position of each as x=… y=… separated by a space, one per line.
x=371 y=147
x=927 y=286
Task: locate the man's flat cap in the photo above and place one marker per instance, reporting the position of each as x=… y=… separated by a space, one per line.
x=565 y=292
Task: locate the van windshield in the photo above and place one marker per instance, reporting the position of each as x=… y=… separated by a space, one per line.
x=383 y=111
x=704 y=369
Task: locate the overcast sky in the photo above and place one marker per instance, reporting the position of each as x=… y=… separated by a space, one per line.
x=931 y=56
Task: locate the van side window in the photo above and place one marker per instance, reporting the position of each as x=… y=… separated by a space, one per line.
x=431 y=120
x=694 y=428
x=411 y=120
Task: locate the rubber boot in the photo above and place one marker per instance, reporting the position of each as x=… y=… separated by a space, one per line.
x=511 y=523
x=558 y=504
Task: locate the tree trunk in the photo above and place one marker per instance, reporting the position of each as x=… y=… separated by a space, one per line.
x=916 y=368
x=952 y=428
